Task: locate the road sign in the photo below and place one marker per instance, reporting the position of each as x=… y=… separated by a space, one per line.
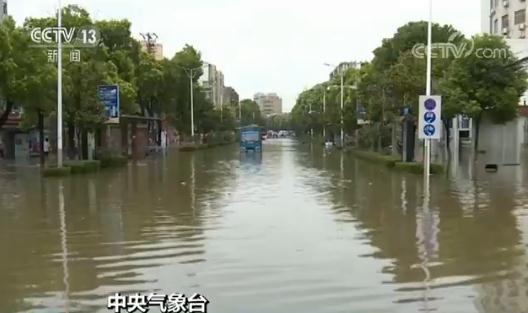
x=430 y=117
x=109 y=96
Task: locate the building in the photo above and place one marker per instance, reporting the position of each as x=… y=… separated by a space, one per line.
x=269 y=104
x=155 y=49
x=212 y=81
x=3 y=9
x=343 y=67
x=231 y=96
x=504 y=18
x=150 y=45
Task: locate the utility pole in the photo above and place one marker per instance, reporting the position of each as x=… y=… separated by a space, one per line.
x=191 y=73
x=342 y=109
x=311 y=124
x=59 y=89
x=324 y=114
x=427 y=157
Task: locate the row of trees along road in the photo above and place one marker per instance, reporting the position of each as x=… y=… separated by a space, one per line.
x=395 y=78
x=147 y=87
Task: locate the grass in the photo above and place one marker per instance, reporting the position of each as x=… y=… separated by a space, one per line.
x=395 y=162
x=113 y=161
x=418 y=168
x=82 y=167
x=56 y=172
x=387 y=160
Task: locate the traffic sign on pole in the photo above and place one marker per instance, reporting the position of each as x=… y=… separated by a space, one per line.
x=430 y=115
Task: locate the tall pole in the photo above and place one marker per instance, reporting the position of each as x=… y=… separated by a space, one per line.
x=342 y=108
x=59 y=89
x=324 y=114
x=192 y=105
x=311 y=125
x=427 y=157
x=240 y=111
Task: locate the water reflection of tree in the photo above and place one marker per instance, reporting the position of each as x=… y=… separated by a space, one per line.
x=115 y=221
x=483 y=245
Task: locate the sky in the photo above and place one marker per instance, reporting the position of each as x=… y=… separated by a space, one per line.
x=270 y=45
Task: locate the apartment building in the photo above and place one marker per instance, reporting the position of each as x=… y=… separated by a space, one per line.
x=3 y=9
x=212 y=81
x=269 y=104
x=504 y=18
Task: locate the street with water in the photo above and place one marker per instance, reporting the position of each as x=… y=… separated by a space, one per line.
x=294 y=229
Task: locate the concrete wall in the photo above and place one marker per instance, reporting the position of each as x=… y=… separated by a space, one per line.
x=501 y=143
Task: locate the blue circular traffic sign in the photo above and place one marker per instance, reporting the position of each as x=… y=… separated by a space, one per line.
x=430 y=117
x=429 y=130
x=430 y=104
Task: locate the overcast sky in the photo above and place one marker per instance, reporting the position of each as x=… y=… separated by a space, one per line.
x=270 y=45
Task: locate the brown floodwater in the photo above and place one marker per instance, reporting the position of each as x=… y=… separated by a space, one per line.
x=297 y=229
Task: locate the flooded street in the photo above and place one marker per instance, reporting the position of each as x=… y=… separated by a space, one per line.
x=295 y=230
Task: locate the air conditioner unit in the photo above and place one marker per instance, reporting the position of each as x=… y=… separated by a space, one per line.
x=522 y=26
x=505 y=3
x=505 y=31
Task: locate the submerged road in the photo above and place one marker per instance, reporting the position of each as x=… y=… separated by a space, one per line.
x=294 y=230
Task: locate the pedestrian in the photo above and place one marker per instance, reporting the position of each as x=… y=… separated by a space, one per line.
x=46 y=147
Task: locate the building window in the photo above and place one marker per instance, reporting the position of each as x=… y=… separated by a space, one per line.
x=520 y=17
x=505 y=22
x=4 y=9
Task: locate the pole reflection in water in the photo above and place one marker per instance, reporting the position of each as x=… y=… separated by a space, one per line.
x=193 y=186
x=64 y=248
x=427 y=241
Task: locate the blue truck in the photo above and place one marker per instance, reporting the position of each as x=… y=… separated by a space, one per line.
x=250 y=138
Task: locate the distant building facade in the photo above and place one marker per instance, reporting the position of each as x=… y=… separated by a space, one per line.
x=153 y=48
x=343 y=67
x=212 y=81
x=231 y=96
x=269 y=104
x=3 y=9
x=506 y=18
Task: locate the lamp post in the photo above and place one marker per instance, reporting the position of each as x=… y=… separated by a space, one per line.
x=59 y=89
x=427 y=157
x=324 y=114
x=342 y=74
x=191 y=73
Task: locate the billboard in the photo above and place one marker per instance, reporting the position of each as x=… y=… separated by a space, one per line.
x=109 y=97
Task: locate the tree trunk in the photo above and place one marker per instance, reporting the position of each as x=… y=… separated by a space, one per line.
x=394 y=140
x=5 y=114
x=71 y=139
x=477 y=135
x=448 y=134
x=41 y=138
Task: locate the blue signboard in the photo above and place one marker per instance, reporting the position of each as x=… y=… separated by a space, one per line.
x=109 y=96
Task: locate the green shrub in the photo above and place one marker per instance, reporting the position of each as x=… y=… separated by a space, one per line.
x=386 y=160
x=418 y=168
x=84 y=166
x=56 y=171
x=113 y=161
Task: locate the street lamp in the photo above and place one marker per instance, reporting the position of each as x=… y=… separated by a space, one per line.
x=342 y=87
x=59 y=89
x=342 y=74
x=191 y=73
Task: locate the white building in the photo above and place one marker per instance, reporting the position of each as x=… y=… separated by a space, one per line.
x=269 y=104
x=503 y=144
x=212 y=81
x=3 y=9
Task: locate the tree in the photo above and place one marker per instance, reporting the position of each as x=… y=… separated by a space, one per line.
x=476 y=85
x=250 y=113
